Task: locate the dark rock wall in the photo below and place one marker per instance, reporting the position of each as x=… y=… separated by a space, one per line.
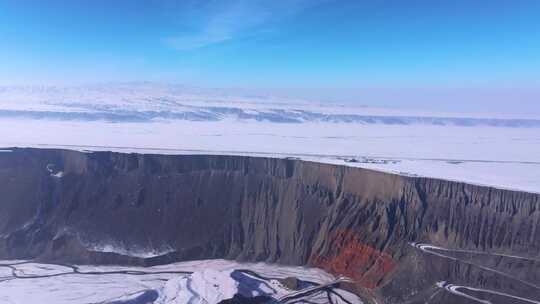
x=347 y=220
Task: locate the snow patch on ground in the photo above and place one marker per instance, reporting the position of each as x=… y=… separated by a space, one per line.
x=134 y=252
x=205 y=286
x=58 y=174
x=210 y=282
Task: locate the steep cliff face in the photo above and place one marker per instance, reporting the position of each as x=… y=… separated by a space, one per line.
x=67 y=205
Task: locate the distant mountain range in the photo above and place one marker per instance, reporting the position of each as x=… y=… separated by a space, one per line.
x=147 y=102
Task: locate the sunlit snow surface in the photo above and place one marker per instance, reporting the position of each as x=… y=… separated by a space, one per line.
x=482 y=149
x=208 y=281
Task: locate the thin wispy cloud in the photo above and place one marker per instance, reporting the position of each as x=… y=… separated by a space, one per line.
x=227 y=20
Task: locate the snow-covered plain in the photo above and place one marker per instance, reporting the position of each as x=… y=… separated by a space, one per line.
x=493 y=149
x=208 y=281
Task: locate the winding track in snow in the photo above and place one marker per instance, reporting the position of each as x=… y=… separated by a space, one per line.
x=426 y=247
x=454 y=289
x=75 y=270
x=431 y=250
x=311 y=290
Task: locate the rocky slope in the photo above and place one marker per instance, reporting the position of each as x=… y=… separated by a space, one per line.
x=106 y=207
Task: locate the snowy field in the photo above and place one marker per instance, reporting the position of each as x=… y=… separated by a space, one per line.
x=484 y=149
x=197 y=282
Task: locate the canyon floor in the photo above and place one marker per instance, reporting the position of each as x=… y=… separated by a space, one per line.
x=209 y=281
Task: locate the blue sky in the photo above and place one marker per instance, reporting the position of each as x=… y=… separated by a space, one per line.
x=275 y=44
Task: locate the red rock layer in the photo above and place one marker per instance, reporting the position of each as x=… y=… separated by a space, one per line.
x=349 y=257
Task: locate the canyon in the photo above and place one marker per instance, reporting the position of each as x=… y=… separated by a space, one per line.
x=400 y=239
